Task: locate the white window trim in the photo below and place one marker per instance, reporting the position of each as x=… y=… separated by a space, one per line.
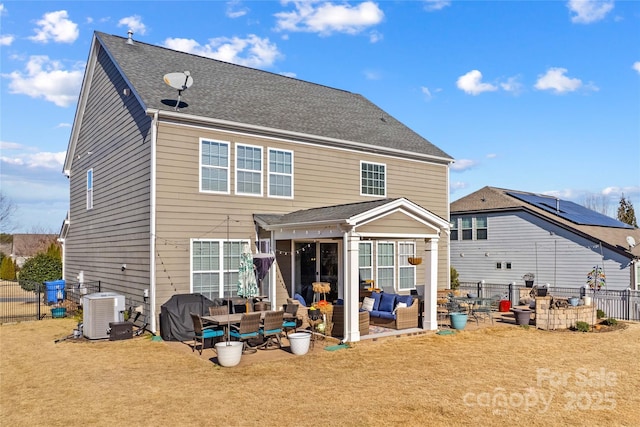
x=237 y=170
x=269 y=173
x=408 y=266
x=228 y=144
x=370 y=268
x=223 y=268
x=385 y=179
x=386 y=267
x=90 y=189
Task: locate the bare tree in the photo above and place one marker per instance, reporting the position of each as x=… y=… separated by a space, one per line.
x=597 y=202
x=7 y=211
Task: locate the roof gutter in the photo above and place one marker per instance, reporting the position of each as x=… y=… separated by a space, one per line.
x=262 y=130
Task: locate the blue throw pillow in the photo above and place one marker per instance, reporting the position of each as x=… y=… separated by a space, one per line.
x=407 y=299
x=376 y=300
x=387 y=302
x=299 y=298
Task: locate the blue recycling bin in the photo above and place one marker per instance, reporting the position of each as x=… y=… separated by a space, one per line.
x=54 y=290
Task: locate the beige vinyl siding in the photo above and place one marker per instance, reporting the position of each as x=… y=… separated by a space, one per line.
x=114 y=142
x=322 y=176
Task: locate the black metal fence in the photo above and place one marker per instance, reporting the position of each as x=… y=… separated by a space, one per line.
x=618 y=304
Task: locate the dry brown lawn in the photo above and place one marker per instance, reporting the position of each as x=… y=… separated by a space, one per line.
x=493 y=376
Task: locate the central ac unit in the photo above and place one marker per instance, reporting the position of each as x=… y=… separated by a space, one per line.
x=98 y=310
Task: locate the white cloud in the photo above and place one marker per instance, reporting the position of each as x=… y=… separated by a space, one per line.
x=457 y=185
x=375 y=36
x=288 y=74
x=133 y=23
x=36 y=160
x=372 y=75
x=6 y=145
x=431 y=5
x=6 y=40
x=461 y=165
x=327 y=18
x=554 y=79
x=235 y=9
x=47 y=79
x=588 y=11
x=636 y=66
x=63 y=125
x=471 y=83
x=2 y=9
x=427 y=93
x=512 y=85
x=491 y=156
x=57 y=27
x=252 y=51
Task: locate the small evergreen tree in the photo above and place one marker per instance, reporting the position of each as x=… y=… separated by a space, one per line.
x=7 y=269
x=54 y=250
x=626 y=213
x=455 y=279
x=40 y=268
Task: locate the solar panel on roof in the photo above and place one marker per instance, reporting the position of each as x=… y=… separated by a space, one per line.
x=570 y=211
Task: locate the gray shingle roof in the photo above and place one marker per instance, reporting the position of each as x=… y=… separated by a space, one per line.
x=240 y=94
x=323 y=214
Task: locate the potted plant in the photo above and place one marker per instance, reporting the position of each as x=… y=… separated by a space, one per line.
x=528 y=279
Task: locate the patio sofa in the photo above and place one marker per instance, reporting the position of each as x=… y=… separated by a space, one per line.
x=385 y=311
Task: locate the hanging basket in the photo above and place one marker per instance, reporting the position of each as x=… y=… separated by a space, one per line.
x=415 y=260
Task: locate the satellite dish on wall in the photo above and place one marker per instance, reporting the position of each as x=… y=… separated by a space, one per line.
x=181 y=81
x=631 y=241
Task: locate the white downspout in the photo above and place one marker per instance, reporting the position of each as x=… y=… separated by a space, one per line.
x=152 y=225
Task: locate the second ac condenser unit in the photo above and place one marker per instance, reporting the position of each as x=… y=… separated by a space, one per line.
x=98 y=310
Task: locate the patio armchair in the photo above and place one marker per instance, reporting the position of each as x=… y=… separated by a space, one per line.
x=217 y=310
x=200 y=333
x=272 y=329
x=290 y=324
x=248 y=329
x=486 y=308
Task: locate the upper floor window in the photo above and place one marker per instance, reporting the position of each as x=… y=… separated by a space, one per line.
x=454 y=229
x=481 y=228
x=467 y=228
x=248 y=170
x=214 y=166
x=90 y=189
x=280 y=173
x=373 y=179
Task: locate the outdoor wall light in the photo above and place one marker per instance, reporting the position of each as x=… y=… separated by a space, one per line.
x=124 y=267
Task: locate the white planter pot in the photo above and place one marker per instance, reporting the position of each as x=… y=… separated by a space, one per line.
x=587 y=300
x=229 y=353
x=299 y=342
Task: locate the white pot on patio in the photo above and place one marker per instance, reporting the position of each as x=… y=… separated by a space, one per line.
x=229 y=353
x=299 y=342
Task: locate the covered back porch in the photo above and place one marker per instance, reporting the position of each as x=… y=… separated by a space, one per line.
x=356 y=247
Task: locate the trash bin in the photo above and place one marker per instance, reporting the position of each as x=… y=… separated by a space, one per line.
x=54 y=291
x=504 y=306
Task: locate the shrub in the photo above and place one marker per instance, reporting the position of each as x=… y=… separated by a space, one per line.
x=600 y=314
x=7 y=269
x=455 y=279
x=610 y=321
x=582 y=327
x=40 y=268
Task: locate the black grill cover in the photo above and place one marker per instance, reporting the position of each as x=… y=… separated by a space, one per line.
x=175 y=320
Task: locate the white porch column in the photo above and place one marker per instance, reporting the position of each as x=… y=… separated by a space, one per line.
x=430 y=314
x=351 y=287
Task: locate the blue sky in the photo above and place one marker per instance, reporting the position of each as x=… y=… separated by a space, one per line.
x=540 y=96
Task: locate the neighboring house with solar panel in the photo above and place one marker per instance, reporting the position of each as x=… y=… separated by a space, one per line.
x=499 y=235
x=163 y=199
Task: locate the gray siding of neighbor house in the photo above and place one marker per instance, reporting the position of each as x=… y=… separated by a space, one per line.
x=115 y=142
x=555 y=255
x=323 y=176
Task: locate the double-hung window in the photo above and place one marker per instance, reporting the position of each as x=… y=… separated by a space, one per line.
x=467 y=228
x=386 y=266
x=248 y=170
x=373 y=179
x=280 y=173
x=214 y=166
x=454 y=229
x=406 y=271
x=365 y=261
x=214 y=267
x=90 y=189
x=481 y=228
